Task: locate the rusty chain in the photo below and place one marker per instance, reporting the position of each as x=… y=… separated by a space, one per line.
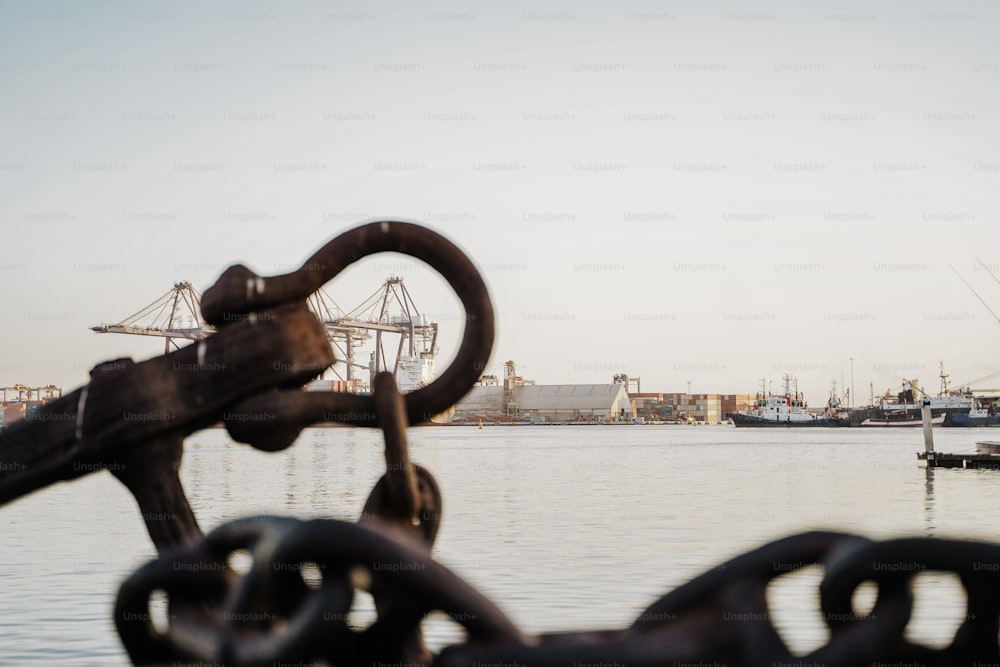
x=131 y=419
x=719 y=618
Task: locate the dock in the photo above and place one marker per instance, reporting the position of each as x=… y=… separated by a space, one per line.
x=987 y=457
x=965 y=461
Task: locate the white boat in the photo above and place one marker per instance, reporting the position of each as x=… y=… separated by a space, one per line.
x=902 y=419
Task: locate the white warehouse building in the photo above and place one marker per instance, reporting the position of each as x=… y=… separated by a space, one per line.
x=556 y=402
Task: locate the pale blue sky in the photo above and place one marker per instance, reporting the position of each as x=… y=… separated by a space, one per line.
x=680 y=191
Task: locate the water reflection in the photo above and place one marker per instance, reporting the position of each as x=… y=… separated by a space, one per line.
x=929 y=516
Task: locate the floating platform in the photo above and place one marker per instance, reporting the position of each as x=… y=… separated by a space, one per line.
x=987 y=457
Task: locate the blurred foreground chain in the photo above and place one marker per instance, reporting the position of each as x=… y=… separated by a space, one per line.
x=718 y=618
x=293 y=605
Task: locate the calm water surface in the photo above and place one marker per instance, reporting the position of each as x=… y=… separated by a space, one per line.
x=564 y=527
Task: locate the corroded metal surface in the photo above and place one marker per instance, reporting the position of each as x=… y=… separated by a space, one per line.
x=721 y=617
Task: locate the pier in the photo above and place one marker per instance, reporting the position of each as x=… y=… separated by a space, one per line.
x=966 y=461
x=987 y=456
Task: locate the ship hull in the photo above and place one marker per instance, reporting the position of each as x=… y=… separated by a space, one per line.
x=959 y=419
x=762 y=422
x=901 y=423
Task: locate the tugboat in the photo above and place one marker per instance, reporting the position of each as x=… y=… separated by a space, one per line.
x=789 y=410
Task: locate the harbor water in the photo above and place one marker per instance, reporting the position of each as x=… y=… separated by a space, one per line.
x=564 y=527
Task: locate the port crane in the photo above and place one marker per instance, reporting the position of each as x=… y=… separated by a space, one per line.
x=375 y=314
x=176 y=316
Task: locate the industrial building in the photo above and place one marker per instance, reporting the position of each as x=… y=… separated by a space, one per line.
x=518 y=399
x=521 y=400
x=546 y=403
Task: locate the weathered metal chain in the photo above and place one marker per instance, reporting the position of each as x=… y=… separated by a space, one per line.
x=273 y=420
x=131 y=419
x=270 y=616
x=721 y=617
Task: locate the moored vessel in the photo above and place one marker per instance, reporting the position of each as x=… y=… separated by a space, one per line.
x=789 y=410
x=977 y=416
x=907 y=403
x=902 y=420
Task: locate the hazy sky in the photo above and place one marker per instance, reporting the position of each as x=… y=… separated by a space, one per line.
x=680 y=191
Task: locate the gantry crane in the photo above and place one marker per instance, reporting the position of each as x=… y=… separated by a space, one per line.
x=177 y=316
x=374 y=314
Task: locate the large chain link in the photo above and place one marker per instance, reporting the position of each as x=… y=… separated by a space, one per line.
x=294 y=603
x=721 y=617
